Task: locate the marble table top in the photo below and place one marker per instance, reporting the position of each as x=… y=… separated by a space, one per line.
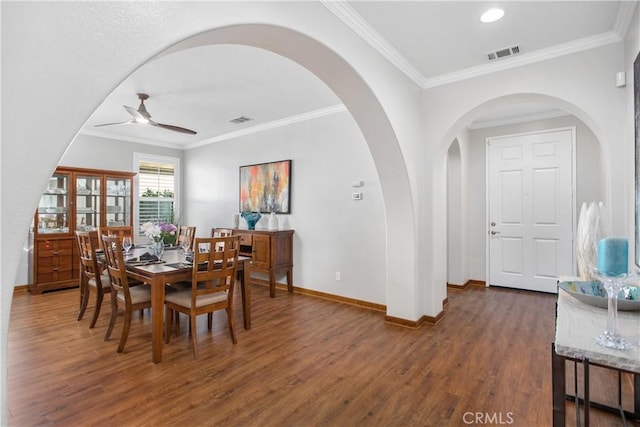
x=577 y=325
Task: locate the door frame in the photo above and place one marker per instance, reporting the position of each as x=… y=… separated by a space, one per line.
x=488 y=192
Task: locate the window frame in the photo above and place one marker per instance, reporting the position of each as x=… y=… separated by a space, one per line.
x=145 y=157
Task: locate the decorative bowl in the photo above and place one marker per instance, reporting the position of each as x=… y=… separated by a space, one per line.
x=593 y=293
x=252 y=218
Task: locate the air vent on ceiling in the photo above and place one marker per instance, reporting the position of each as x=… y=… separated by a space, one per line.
x=503 y=53
x=240 y=119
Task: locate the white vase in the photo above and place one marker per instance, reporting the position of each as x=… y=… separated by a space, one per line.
x=273 y=221
x=235 y=221
x=592 y=227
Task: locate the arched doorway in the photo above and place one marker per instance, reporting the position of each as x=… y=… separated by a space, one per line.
x=367 y=111
x=591 y=176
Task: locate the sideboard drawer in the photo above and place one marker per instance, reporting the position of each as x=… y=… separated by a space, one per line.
x=245 y=239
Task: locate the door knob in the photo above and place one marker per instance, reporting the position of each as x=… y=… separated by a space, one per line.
x=493 y=232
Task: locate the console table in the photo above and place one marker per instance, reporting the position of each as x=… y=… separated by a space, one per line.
x=271 y=253
x=577 y=324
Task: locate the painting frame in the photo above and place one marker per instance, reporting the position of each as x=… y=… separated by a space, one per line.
x=266 y=187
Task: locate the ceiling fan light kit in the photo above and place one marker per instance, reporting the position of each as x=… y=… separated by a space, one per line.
x=142 y=117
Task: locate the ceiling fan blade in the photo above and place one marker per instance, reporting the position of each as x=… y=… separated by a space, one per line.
x=116 y=123
x=142 y=116
x=173 y=128
x=135 y=113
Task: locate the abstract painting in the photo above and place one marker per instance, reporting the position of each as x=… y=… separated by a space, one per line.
x=266 y=187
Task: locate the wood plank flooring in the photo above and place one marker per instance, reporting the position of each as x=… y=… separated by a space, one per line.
x=306 y=362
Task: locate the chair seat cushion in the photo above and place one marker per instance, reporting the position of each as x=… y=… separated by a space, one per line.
x=183 y=298
x=138 y=294
x=105 y=281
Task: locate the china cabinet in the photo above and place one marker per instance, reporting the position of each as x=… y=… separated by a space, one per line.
x=75 y=199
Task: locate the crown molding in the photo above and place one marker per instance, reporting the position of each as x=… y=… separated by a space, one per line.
x=132 y=139
x=362 y=28
x=334 y=109
x=525 y=59
x=624 y=18
x=515 y=120
x=321 y=112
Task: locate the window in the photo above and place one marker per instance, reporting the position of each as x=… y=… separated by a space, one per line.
x=157 y=188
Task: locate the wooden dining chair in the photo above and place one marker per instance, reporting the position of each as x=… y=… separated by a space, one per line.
x=221 y=232
x=93 y=277
x=122 y=295
x=212 y=286
x=120 y=231
x=187 y=232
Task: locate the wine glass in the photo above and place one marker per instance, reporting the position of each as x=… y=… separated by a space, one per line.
x=126 y=244
x=185 y=244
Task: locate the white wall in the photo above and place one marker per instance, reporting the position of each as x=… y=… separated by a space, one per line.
x=89 y=151
x=333 y=233
x=455 y=225
x=589 y=178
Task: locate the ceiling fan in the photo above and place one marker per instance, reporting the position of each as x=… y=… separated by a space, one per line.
x=142 y=116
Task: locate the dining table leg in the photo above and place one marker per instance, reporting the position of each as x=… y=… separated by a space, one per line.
x=157 y=317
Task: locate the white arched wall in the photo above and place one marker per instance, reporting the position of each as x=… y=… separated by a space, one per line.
x=365 y=108
x=456 y=224
x=583 y=84
x=60 y=75
x=459 y=128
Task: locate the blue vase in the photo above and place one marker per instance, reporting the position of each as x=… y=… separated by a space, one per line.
x=252 y=218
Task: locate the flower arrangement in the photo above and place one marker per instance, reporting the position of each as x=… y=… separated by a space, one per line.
x=163 y=231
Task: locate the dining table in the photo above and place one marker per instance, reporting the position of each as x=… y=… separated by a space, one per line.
x=171 y=269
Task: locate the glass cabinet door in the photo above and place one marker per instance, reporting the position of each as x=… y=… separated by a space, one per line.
x=118 y=202
x=54 y=205
x=87 y=202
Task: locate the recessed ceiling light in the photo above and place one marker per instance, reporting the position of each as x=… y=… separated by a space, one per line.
x=492 y=15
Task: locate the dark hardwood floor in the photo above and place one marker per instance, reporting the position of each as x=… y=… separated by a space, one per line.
x=306 y=362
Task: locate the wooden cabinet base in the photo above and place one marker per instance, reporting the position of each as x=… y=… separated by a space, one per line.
x=271 y=253
x=38 y=288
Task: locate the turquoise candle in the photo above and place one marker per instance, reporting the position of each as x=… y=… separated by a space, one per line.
x=613 y=256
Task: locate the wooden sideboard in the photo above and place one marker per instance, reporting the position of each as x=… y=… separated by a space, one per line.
x=271 y=253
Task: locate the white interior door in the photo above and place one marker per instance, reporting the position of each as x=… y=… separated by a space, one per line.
x=531 y=209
